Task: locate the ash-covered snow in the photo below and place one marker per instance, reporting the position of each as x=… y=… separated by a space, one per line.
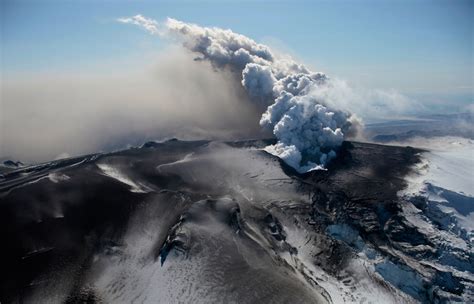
x=118 y=175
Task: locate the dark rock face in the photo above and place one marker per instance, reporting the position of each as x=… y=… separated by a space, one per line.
x=13 y=164
x=204 y=222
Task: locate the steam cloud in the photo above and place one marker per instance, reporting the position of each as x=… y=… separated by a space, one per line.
x=308 y=130
x=234 y=89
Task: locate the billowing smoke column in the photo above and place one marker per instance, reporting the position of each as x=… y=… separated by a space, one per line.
x=307 y=131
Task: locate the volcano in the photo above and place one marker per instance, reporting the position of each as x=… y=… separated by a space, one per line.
x=206 y=221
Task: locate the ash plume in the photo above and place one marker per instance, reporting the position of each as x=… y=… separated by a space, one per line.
x=219 y=86
x=307 y=129
x=50 y=115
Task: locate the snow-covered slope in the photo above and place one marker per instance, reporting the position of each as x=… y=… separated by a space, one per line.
x=213 y=222
x=440 y=204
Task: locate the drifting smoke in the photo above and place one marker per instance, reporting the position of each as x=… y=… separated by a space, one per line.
x=234 y=89
x=307 y=129
x=51 y=115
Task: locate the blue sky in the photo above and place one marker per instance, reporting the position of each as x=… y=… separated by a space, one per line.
x=421 y=48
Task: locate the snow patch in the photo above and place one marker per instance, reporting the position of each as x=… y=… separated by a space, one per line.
x=116 y=174
x=58 y=177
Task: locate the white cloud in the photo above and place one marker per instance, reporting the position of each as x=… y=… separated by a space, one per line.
x=149 y=25
x=308 y=129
